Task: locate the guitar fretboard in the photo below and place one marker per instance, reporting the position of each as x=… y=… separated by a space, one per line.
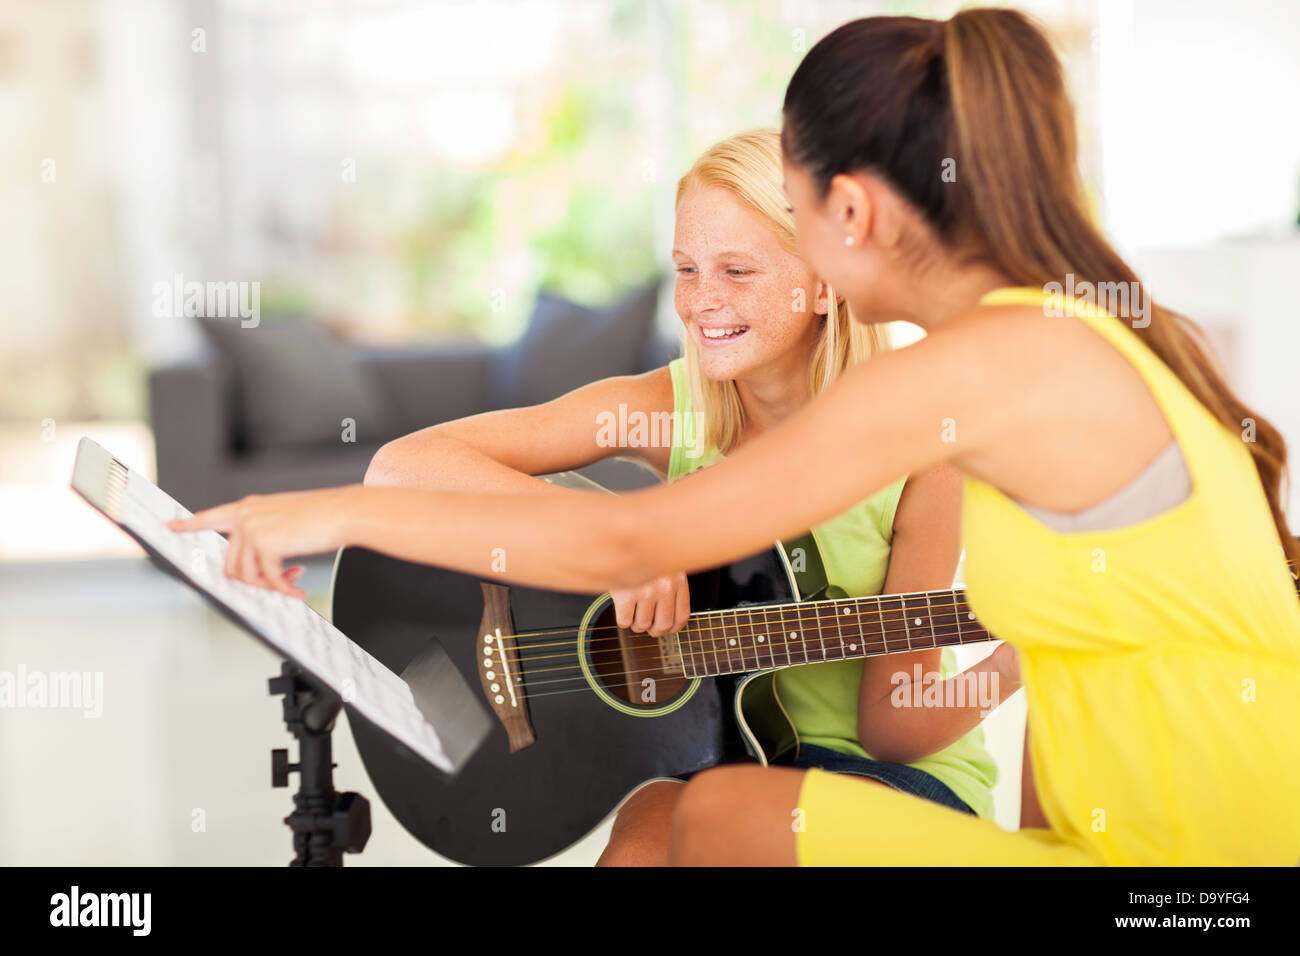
x=764 y=636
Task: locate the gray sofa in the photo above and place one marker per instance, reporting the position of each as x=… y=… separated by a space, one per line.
x=203 y=409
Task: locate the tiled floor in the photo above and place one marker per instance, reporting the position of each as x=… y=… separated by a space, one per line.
x=185 y=731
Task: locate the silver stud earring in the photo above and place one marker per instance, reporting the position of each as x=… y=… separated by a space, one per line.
x=848 y=240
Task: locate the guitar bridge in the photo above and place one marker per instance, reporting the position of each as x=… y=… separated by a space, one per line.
x=499 y=672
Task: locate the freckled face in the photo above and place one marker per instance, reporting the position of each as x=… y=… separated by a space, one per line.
x=745 y=301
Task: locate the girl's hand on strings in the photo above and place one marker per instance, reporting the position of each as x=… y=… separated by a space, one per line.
x=657 y=607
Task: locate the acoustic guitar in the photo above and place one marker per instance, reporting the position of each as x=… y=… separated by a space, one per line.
x=587 y=712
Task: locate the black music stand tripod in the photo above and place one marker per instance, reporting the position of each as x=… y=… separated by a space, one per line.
x=325 y=823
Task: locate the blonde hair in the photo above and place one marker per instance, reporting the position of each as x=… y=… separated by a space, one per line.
x=749 y=166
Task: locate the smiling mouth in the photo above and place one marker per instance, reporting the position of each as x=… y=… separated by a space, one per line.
x=723 y=335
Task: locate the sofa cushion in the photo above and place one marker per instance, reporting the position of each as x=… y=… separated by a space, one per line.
x=567 y=345
x=427 y=384
x=295 y=384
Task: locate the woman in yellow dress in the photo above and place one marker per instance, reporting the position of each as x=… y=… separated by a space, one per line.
x=1122 y=516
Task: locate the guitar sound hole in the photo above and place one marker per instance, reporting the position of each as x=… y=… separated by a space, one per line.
x=643 y=672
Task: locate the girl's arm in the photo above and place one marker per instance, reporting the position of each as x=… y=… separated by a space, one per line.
x=923 y=557
x=903 y=733
x=891 y=416
x=502 y=450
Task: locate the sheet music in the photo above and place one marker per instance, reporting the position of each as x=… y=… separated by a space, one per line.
x=287 y=623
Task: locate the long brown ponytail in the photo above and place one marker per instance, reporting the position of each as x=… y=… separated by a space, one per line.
x=982 y=94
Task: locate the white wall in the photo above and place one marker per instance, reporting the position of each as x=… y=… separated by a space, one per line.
x=1200 y=136
x=1244 y=290
x=1200 y=118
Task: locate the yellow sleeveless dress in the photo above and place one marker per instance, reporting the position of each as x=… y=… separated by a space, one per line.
x=1161 y=664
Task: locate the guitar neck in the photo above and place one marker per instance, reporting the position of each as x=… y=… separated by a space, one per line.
x=764 y=636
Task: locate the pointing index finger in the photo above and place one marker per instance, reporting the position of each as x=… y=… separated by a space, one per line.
x=219 y=518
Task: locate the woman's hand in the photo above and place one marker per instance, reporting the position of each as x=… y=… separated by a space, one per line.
x=263 y=530
x=659 y=607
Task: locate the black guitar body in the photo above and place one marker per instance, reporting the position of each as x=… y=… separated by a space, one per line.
x=515 y=808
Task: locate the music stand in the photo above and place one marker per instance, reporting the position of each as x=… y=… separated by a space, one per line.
x=429 y=712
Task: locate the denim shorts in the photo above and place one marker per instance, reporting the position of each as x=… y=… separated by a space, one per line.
x=897 y=775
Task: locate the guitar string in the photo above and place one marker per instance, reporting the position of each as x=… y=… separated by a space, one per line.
x=901 y=609
x=873 y=646
x=870 y=650
x=707 y=645
x=585 y=686
x=710 y=645
x=851 y=650
x=707 y=634
x=958 y=593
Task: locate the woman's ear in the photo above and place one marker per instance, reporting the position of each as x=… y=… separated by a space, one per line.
x=850 y=206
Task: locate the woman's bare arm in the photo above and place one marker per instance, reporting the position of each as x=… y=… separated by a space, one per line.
x=888 y=417
x=882 y=419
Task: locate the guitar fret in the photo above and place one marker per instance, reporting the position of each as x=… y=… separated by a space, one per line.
x=776 y=638
x=737 y=646
x=790 y=639
x=910 y=620
x=697 y=645
x=929 y=615
x=858 y=633
x=946 y=623
x=687 y=647
x=713 y=645
x=795 y=637
x=817 y=621
x=691 y=638
x=779 y=633
x=834 y=649
x=794 y=634
x=762 y=640
x=747 y=641
x=753 y=638
x=962 y=606
x=884 y=639
x=828 y=650
x=729 y=648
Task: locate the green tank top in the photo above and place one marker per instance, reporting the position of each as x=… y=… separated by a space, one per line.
x=821 y=700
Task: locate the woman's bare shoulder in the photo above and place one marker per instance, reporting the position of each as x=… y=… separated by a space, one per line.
x=1017 y=351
